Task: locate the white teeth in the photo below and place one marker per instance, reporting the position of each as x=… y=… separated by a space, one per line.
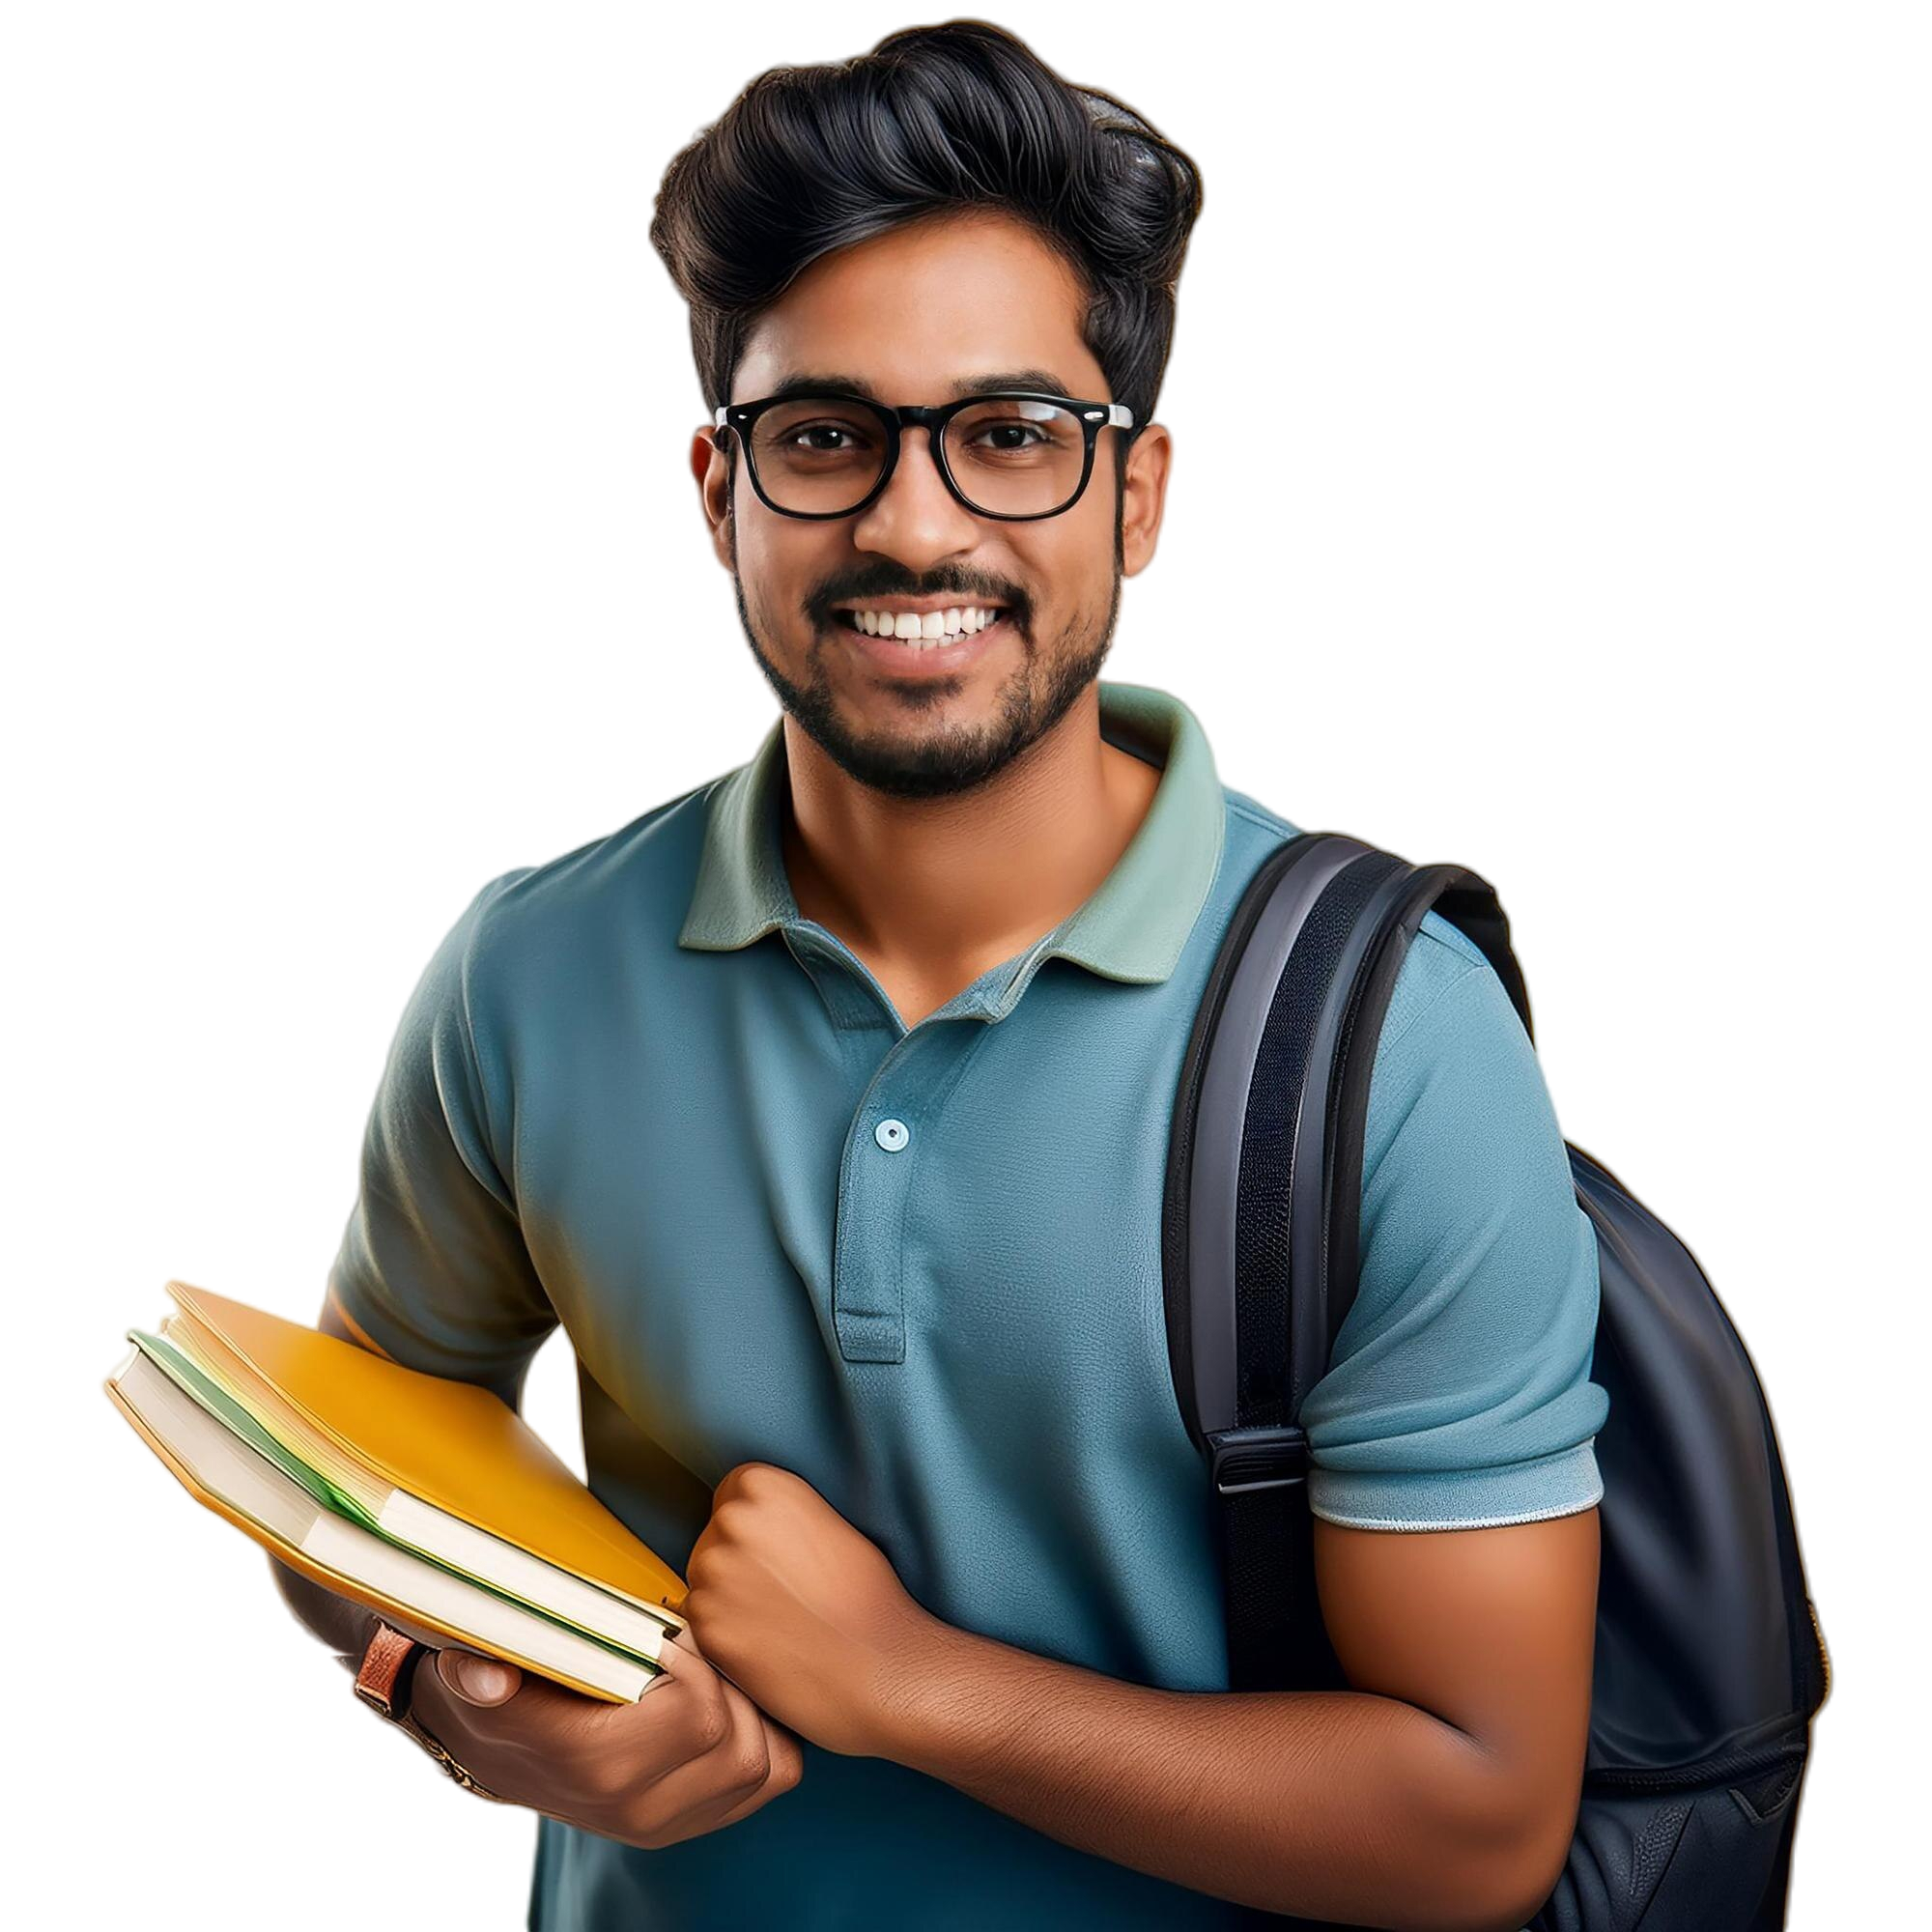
x=925 y=627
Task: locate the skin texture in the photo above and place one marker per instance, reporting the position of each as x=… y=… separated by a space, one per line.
x=692 y=1754
x=938 y=829
x=937 y=835
x=1440 y=1791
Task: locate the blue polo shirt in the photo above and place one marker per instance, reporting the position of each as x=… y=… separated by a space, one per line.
x=637 y=1093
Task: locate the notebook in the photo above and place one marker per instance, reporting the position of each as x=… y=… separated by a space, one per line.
x=414 y=1494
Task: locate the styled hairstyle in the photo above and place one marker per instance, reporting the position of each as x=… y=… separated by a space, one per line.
x=945 y=118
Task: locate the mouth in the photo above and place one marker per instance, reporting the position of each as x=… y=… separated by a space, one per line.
x=946 y=642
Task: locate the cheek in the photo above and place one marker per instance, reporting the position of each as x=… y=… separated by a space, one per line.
x=776 y=574
x=1070 y=578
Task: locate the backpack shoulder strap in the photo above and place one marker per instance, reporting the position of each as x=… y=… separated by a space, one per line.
x=1264 y=1186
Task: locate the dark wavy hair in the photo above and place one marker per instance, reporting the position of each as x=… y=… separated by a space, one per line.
x=957 y=116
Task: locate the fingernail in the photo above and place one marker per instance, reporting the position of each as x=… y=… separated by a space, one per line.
x=480 y=1679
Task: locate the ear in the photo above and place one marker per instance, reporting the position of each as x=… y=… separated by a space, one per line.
x=677 y=451
x=713 y=468
x=1144 y=498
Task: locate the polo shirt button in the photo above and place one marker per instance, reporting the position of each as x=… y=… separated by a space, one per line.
x=892 y=1135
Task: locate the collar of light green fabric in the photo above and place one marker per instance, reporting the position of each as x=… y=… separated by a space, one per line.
x=1132 y=928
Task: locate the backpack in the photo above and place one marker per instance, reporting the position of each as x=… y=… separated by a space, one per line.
x=1710 y=1663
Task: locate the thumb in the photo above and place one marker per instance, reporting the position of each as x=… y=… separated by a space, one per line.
x=483 y=1681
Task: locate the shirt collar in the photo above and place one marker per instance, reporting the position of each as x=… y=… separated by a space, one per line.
x=1132 y=928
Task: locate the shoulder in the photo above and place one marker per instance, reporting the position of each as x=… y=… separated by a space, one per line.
x=1437 y=957
x=472 y=859
x=1441 y=959
x=1457 y=1090
x=525 y=921
x=522 y=956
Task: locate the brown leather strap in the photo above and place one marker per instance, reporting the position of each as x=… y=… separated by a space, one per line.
x=382 y=1680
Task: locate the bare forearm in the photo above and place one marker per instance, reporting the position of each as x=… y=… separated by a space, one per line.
x=1331 y=1804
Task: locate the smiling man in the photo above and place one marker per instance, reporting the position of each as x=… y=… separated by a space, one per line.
x=926 y=721
x=825 y=1105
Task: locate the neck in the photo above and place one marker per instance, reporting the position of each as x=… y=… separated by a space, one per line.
x=932 y=893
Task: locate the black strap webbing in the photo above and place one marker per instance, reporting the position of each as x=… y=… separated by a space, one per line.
x=1275 y=1636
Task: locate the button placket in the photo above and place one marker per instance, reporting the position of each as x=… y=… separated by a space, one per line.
x=876 y=1166
x=875 y=1184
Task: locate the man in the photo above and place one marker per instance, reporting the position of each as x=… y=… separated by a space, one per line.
x=1077 y=47
x=826 y=1106
x=1166 y=592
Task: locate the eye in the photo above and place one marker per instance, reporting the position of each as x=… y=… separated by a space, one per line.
x=825 y=438
x=1016 y=435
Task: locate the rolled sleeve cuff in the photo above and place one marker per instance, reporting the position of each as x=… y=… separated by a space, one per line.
x=1561 y=1484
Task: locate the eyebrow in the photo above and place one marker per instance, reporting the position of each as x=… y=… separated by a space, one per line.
x=816 y=383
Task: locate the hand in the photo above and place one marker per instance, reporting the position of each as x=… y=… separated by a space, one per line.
x=693 y=1754
x=803 y=1613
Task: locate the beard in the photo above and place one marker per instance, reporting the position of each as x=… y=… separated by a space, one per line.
x=954 y=758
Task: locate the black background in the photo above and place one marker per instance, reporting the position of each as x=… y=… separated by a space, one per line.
x=1529 y=548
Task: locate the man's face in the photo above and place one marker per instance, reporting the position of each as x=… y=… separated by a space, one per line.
x=912 y=314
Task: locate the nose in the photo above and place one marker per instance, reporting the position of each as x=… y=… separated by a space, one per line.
x=916 y=517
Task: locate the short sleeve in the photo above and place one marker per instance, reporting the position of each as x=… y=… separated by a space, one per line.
x=433 y=1267
x=1459 y=1395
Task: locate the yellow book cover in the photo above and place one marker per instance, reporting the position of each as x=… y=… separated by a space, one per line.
x=398 y=1611
x=449 y=1443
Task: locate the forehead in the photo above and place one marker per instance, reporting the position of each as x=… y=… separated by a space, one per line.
x=923 y=307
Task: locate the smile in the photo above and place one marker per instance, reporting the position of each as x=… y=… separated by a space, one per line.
x=947 y=651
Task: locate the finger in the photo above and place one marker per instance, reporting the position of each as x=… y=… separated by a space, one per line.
x=781 y=1747
x=787 y=1764
x=681 y=1661
x=484 y=1681
x=538 y=1717
x=684 y=1642
x=786 y=1753
x=718 y=1785
x=685 y=1654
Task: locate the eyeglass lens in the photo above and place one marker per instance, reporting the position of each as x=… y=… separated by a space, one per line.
x=1009 y=456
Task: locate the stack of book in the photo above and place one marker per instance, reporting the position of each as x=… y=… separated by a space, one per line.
x=422 y=1498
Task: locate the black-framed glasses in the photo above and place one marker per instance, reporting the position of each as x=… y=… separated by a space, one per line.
x=1015 y=454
